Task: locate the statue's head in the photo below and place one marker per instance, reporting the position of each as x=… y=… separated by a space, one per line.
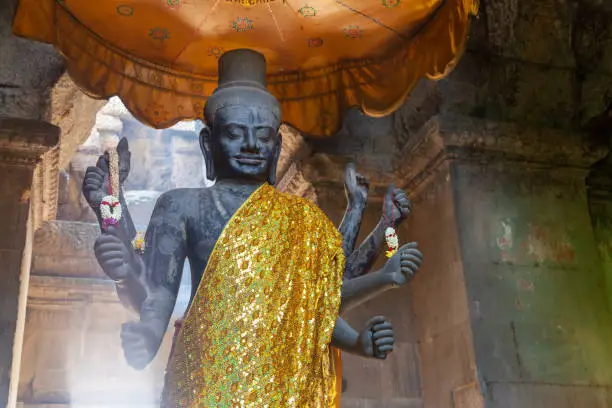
x=241 y=139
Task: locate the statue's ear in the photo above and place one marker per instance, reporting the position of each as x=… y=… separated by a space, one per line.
x=273 y=165
x=206 y=146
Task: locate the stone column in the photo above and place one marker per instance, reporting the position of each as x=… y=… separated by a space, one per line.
x=22 y=142
x=599 y=183
x=510 y=303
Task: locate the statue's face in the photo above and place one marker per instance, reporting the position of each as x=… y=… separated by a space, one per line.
x=244 y=141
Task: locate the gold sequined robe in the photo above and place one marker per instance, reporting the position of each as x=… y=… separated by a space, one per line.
x=258 y=330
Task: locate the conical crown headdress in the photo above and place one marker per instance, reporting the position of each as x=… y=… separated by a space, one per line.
x=242 y=81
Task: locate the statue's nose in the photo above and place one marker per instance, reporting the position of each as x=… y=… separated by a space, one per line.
x=251 y=141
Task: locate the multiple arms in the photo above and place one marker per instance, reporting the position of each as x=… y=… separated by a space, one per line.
x=396 y=208
x=149 y=284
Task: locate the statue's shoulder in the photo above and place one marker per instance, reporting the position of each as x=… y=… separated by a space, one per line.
x=308 y=210
x=180 y=200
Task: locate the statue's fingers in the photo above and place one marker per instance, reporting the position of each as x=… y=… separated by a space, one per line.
x=400 y=195
x=382 y=325
x=375 y=321
x=107 y=252
x=410 y=246
x=129 y=331
x=415 y=257
x=384 y=341
x=349 y=174
x=385 y=348
x=104 y=255
x=132 y=340
x=94 y=171
x=108 y=242
x=107 y=246
x=114 y=259
x=138 y=357
x=406 y=264
x=93 y=183
x=382 y=333
x=361 y=179
x=409 y=271
x=102 y=163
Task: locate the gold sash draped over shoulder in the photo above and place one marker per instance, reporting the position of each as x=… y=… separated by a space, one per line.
x=258 y=330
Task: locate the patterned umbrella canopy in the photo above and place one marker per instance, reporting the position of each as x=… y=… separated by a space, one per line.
x=324 y=56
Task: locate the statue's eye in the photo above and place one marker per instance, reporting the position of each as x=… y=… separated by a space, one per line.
x=234 y=133
x=264 y=134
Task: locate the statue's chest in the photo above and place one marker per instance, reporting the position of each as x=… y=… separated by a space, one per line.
x=216 y=209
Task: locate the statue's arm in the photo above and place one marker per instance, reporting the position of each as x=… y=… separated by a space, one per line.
x=350 y=225
x=396 y=273
x=356 y=189
x=363 y=288
x=139 y=278
x=361 y=260
x=163 y=260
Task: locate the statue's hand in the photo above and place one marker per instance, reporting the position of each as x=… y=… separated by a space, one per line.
x=95 y=181
x=112 y=255
x=139 y=344
x=397 y=205
x=402 y=266
x=377 y=338
x=355 y=185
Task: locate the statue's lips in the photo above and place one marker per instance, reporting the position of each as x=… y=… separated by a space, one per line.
x=250 y=160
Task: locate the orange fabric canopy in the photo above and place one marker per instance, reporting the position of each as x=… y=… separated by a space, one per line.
x=324 y=56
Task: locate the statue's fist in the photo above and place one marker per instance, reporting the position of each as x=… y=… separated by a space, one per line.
x=402 y=266
x=397 y=205
x=112 y=255
x=95 y=183
x=139 y=344
x=355 y=185
x=377 y=338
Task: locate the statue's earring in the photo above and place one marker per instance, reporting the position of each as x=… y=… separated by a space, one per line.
x=205 y=145
x=272 y=174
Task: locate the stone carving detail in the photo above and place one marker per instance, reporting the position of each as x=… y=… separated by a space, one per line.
x=447 y=137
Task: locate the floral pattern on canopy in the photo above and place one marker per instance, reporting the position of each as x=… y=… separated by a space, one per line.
x=324 y=56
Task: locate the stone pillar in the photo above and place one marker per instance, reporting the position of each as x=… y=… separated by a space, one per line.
x=599 y=183
x=510 y=303
x=22 y=142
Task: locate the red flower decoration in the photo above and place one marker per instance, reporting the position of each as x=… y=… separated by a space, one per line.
x=353 y=31
x=315 y=42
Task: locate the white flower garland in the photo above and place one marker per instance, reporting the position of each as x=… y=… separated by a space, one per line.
x=110 y=207
x=110 y=210
x=392 y=241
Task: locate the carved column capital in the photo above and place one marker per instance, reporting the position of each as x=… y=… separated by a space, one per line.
x=23 y=141
x=484 y=142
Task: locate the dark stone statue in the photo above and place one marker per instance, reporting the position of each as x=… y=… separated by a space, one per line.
x=241 y=146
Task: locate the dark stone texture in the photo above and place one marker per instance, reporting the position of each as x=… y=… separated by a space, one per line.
x=28 y=71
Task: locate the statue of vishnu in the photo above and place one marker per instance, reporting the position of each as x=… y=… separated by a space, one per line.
x=268 y=271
